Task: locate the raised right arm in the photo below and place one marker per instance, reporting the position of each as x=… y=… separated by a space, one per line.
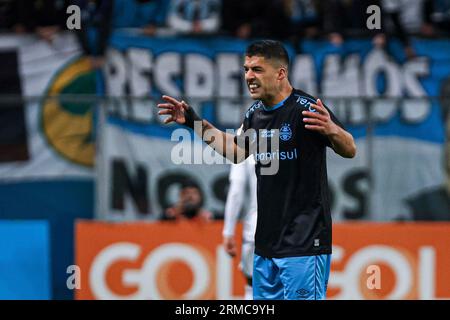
x=222 y=142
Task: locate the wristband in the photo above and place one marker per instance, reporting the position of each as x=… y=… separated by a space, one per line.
x=190 y=116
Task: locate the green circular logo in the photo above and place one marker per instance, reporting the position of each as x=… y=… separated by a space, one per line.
x=68 y=124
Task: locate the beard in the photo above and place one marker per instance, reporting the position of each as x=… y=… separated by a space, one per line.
x=190 y=210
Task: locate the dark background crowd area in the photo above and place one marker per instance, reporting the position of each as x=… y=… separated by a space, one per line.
x=286 y=20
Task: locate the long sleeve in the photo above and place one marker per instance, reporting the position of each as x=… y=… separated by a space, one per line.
x=235 y=198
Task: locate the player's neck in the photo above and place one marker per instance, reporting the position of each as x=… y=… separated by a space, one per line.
x=285 y=92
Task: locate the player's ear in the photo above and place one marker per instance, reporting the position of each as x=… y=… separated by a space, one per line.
x=282 y=73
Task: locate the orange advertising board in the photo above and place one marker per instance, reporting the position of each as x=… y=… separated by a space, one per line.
x=163 y=260
x=185 y=260
x=410 y=260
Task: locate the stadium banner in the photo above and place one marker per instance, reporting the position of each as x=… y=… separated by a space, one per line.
x=46 y=145
x=153 y=261
x=398 y=173
x=59 y=133
x=186 y=260
x=25 y=260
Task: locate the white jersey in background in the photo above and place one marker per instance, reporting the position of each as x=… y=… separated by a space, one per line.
x=242 y=190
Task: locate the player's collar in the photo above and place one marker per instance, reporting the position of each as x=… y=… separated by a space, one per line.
x=278 y=105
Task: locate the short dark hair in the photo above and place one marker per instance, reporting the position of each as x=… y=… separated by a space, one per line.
x=269 y=49
x=188 y=183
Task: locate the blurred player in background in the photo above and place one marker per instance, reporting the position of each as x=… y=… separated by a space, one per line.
x=293 y=233
x=242 y=175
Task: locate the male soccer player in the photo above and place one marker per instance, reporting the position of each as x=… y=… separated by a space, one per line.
x=293 y=233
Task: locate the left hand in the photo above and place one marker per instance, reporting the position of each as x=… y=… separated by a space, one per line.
x=320 y=120
x=230 y=246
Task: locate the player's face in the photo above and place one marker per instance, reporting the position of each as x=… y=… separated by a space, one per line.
x=261 y=77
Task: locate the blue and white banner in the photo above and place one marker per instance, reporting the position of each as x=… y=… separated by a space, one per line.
x=400 y=135
x=59 y=132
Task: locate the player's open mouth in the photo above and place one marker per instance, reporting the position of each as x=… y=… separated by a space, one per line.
x=253 y=87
